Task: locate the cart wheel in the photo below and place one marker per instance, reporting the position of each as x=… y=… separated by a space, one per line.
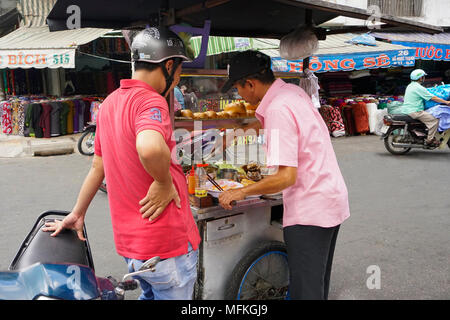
x=263 y=274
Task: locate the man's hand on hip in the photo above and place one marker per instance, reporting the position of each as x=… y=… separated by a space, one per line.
x=158 y=197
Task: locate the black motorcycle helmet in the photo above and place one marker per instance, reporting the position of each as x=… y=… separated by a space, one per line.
x=157 y=45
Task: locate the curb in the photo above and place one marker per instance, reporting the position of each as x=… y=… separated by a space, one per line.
x=18 y=147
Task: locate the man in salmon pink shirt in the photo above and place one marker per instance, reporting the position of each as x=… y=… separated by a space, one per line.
x=298 y=143
x=147 y=191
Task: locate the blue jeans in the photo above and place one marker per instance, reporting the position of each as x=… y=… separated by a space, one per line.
x=173 y=279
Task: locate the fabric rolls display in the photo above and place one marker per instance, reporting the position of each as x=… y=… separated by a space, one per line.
x=357 y=114
x=333 y=119
x=372 y=111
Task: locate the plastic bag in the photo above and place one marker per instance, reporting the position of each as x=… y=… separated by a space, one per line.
x=299 y=44
x=310 y=84
x=365 y=39
x=442 y=92
x=395 y=107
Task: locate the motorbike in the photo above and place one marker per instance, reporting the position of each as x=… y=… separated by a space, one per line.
x=86 y=146
x=401 y=134
x=61 y=268
x=86 y=140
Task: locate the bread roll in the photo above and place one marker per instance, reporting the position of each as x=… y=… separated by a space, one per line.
x=200 y=116
x=251 y=107
x=237 y=107
x=251 y=113
x=222 y=115
x=232 y=114
x=187 y=113
x=211 y=114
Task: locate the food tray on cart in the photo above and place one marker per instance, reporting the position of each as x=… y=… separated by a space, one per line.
x=241 y=206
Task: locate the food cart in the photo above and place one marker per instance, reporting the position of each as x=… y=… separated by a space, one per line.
x=242 y=254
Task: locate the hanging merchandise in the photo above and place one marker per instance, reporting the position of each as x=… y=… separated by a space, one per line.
x=44 y=117
x=310 y=84
x=6 y=117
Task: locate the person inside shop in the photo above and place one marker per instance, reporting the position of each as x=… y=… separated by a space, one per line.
x=315 y=198
x=147 y=192
x=414 y=105
x=179 y=98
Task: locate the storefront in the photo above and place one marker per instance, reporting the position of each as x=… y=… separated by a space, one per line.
x=40 y=98
x=347 y=74
x=432 y=52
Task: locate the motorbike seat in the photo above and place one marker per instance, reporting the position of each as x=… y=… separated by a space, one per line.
x=405 y=118
x=39 y=246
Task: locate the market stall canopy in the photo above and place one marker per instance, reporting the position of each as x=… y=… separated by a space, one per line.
x=334 y=54
x=250 y=18
x=8 y=20
x=38 y=48
x=426 y=46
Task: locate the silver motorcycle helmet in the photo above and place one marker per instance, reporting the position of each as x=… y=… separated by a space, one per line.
x=157 y=45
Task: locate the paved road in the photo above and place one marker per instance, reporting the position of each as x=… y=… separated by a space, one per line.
x=399 y=224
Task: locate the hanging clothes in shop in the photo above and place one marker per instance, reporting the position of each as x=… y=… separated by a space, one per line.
x=76 y=117
x=55 y=116
x=45 y=120
x=35 y=120
x=64 y=116
x=69 y=117
x=80 y=115
x=36 y=116
x=95 y=107
x=6 y=118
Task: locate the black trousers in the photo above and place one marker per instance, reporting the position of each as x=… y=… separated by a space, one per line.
x=310 y=256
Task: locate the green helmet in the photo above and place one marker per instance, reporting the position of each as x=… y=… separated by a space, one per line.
x=417 y=74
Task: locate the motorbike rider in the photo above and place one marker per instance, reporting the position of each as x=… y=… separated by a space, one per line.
x=414 y=105
x=148 y=198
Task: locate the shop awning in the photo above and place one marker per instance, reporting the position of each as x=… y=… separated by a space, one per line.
x=36 y=47
x=334 y=54
x=249 y=18
x=426 y=46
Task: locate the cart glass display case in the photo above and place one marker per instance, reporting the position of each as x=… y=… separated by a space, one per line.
x=197 y=104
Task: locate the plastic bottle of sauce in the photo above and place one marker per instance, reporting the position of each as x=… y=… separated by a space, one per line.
x=192 y=181
x=200 y=188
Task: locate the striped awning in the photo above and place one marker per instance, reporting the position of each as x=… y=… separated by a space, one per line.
x=218 y=45
x=334 y=54
x=333 y=45
x=35 y=12
x=36 y=47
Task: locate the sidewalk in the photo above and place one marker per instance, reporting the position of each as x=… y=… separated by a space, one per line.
x=18 y=146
